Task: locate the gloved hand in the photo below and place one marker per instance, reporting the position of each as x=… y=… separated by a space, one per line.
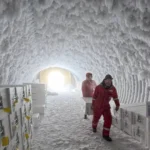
x=117 y=108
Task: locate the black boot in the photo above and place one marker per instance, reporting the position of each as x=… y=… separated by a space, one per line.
x=107 y=138
x=85 y=116
x=94 y=130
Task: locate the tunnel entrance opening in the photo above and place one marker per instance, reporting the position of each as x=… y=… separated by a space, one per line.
x=57 y=79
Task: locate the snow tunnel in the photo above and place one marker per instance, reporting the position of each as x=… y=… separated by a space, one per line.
x=98 y=36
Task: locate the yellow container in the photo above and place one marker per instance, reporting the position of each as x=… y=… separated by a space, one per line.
x=5 y=141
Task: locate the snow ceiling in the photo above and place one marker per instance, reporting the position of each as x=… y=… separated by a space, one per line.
x=102 y=36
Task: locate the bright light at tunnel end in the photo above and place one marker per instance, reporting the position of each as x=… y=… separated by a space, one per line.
x=56 y=81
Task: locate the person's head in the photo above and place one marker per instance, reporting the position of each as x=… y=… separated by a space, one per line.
x=89 y=76
x=108 y=80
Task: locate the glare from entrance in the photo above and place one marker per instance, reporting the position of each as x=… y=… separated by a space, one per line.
x=56 y=81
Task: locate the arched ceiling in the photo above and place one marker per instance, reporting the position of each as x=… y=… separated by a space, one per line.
x=102 y=36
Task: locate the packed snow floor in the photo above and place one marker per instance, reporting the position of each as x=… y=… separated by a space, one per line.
x=63 y=128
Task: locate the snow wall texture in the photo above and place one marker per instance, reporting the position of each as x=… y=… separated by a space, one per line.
x=101 y=36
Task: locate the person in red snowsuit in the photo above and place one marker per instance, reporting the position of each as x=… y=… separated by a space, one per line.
x=88 y=86
x=100 y=105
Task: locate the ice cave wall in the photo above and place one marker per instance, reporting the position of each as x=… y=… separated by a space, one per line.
x=101 y=36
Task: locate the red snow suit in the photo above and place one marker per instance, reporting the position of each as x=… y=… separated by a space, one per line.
x=101 y=106
x=88 y=87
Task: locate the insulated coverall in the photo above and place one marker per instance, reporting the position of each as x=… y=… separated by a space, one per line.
x=100 y=103
x=88 y=87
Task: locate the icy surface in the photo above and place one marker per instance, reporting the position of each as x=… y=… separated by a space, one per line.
x=100 y=36
x=63 y=128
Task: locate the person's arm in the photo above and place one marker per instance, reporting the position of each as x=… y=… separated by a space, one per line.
x=115 y=98
x=94 y=96
x=95 y=84
x=83 y=89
